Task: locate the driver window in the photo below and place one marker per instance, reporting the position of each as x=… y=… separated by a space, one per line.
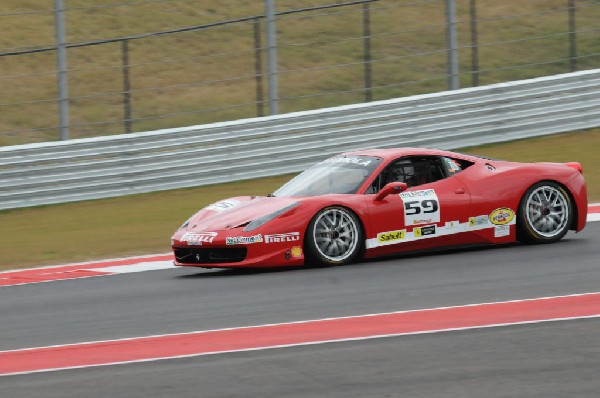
x=412 y=171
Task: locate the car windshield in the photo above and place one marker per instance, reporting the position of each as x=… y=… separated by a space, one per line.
x=339 y=174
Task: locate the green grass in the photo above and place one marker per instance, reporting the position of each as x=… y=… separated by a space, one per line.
x=407 y=44
x=143 y=224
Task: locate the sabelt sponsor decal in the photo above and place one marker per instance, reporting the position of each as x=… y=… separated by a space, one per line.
x=244 y=240
x=286 y=237
x=197 y=238
x=391 y=236
x=502 y=216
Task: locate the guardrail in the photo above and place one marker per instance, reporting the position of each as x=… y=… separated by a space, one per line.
x=56 y=172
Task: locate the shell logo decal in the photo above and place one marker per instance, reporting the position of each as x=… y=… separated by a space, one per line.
x=296 y=251
x=502 y=216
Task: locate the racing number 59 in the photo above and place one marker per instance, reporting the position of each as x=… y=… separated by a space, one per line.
x=417 y=207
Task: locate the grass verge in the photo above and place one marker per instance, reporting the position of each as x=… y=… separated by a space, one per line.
x=142 y=224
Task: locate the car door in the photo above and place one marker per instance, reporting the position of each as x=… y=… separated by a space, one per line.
x=427 y=214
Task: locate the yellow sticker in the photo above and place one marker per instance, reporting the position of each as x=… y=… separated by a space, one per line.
x=391 y=236
x=502 y=216
x=296 y=251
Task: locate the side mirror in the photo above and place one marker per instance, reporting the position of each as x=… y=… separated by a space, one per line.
x=392 y=187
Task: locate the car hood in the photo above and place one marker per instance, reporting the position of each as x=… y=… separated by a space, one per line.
x=235 y=212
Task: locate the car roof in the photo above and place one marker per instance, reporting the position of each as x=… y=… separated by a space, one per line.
x=387 y=153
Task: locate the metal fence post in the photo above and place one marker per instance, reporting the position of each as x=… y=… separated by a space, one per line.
x=61 y=64
x=474 y=45
x=258 y=68
x=452 y=45
x=272 y=57
x=572 y=37
x=367 y=47
x=126 y=86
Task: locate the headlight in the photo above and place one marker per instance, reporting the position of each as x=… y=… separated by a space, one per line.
x=265 y=219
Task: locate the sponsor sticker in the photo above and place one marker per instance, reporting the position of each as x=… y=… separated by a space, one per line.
x=197 y=238
x=420 y=207
x=502 y=216
x=244 y=240
x=296 y=251
x=348 y=159
x=501 y=230
x=424 y=231
x=478 y=221
x=223 y=205
x=452 y=224
x=391 y=236
x=286 y=237
x=453 y=166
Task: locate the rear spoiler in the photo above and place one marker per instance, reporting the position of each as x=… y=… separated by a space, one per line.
x=576 y=166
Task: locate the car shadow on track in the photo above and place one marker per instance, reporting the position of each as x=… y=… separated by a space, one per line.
x=231 y=272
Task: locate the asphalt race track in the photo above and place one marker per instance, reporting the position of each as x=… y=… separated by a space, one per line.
x=548 y=359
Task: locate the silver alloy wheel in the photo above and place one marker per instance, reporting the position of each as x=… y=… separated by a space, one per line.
x=547 y=211
x=335 y=234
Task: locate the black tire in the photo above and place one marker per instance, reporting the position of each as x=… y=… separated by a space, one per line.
x=334 y=237
x=545 y=213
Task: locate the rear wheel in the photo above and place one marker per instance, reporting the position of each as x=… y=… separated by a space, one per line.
x=545 y=213
x=334 y=236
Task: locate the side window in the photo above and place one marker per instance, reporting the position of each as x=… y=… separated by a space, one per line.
x=413 y=171
x=454 y=166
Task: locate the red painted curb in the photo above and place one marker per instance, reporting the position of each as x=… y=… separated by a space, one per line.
x=299 y=333
x=72 y=271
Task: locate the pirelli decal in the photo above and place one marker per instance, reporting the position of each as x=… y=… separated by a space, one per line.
x=286 y=237
x=197 y=238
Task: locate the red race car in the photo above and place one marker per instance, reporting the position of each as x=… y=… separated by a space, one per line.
x=383 y=201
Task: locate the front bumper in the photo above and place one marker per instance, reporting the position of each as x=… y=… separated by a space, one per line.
x=237 y=249
x=209 y=255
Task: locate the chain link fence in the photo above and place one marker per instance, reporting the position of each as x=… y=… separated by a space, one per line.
x=327 y=55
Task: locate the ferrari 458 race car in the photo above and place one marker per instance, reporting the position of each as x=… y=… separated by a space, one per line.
x=380 y=202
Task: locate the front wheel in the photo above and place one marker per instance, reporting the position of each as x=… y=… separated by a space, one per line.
x=334 y=236
x=545 y=213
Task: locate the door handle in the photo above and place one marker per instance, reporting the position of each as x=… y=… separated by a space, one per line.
x=460 y=191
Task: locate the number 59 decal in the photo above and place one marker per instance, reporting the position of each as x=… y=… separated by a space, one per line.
x=420 y=207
